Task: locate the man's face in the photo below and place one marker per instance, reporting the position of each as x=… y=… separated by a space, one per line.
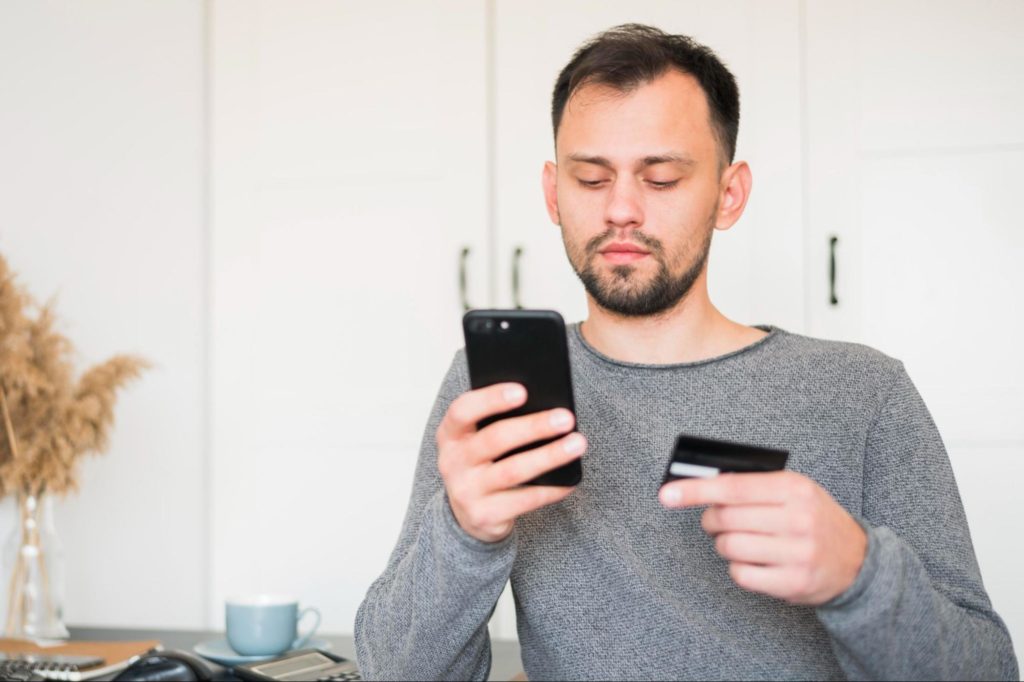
x=637 y=191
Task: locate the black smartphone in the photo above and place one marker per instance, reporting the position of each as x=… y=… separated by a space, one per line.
x=528 y=347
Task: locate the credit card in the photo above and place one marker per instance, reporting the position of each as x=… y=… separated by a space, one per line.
x=695 y=457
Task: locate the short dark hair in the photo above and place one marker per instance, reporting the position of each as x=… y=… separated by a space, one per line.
x=630 y=55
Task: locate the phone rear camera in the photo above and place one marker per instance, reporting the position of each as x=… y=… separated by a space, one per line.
x=478 y=326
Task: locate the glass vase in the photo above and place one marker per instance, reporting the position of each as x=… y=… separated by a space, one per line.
x=33 y=573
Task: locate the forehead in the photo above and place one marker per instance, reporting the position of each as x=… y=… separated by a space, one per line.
x=670 y=111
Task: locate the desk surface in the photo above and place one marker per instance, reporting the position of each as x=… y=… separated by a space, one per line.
x=505 y=661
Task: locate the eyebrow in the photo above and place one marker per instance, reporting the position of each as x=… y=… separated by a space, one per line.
x=681 y=159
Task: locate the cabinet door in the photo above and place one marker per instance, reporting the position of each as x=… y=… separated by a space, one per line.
x=756 y=268
x=348 y=171
x=915 y=152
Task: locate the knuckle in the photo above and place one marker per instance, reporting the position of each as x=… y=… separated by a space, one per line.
x=458 y=412
x=726 y=485
x=489 y=440
x=458 y=491
x=478 y=517
x=547 y=459
x=709 y=519
x=550 y=496
x=792 y=486
x=802 y=524
x=725 y=543
x=554 y=453
x=540 y=497
x=739 y=574
x=803 y=489
x=510 y=475
x=806 y=553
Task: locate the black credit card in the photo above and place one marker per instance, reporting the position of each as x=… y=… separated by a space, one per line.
x=695 y=457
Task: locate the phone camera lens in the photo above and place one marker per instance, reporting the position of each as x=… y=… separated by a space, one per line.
x=488 y=325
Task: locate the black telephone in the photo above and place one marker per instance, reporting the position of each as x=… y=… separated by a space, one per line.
x=528 y=347
x=171 y=665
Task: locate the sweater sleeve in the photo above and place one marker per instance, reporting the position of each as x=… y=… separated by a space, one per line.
x=918 y=608
x=426 y=616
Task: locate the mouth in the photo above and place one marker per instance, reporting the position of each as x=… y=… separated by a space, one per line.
x=623 y=252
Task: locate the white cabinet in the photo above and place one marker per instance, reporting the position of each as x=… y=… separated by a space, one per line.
x=915 y=152
x=348 y=144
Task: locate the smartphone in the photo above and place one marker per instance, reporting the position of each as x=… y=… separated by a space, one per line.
x=528 y=347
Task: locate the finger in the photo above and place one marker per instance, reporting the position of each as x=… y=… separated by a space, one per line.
x=506 y=435
x=469 y=408
x=769 y=488
x=780 y=582
x=755 y=548
x=510 y=504
x=526 y=466
x=748 y=518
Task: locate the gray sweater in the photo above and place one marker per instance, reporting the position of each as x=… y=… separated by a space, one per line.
x=609 y=584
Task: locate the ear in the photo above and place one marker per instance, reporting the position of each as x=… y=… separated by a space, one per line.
x=550 y=181
x=734 y=190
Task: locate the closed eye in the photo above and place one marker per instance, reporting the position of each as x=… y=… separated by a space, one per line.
x=663 y=185
x=593 y=184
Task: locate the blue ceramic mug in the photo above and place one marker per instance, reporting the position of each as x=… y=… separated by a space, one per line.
x=266 y=624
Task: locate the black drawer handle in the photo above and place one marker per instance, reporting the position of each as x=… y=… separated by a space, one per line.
x=463 y=257
x=832 y=271
x=517 y=255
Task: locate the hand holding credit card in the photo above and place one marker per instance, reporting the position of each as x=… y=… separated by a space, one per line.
x=781 y=532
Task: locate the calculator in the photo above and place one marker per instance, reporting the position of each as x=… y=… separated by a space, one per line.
x=305 y=664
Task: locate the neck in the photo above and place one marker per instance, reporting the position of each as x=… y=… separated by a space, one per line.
x=690 y=331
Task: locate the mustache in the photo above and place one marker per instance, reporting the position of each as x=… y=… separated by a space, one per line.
x=653 y=245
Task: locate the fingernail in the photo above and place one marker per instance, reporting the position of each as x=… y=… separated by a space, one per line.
x=560 y=418
x=514 y=394
x=574 y=444
x=672 y=496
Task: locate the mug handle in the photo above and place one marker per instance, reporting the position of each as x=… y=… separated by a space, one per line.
x=302 y=639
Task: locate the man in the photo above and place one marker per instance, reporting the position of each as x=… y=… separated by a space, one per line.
x=856 y=562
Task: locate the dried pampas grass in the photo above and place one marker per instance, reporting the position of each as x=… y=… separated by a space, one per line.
x=49 y=421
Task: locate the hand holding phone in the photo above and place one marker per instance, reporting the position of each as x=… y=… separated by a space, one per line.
x=487 y=495
x=507 y=447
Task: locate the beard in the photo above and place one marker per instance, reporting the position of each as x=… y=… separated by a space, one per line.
x=623 y=290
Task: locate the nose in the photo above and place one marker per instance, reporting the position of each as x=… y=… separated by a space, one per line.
x=625 y=204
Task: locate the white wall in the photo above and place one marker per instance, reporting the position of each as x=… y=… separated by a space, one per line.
x=101 y=203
